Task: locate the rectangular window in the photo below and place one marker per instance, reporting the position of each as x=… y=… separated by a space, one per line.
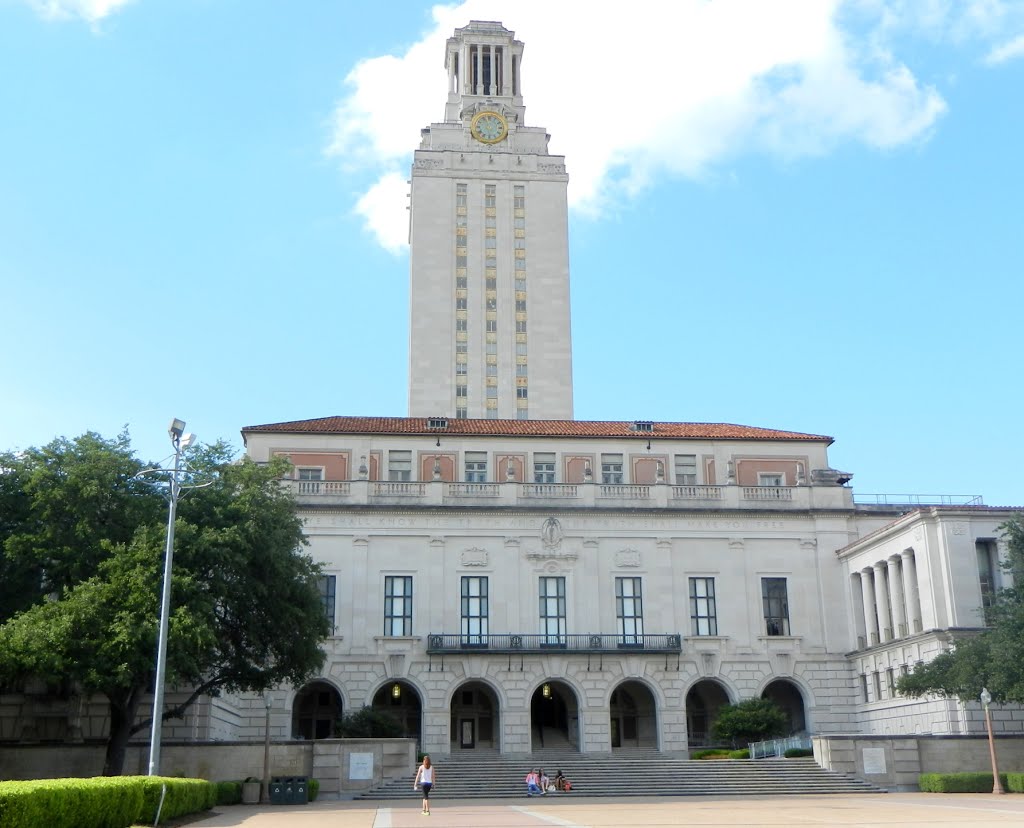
x=772 y=479
x=474 y=610
x=461 y=412
x=864 y=687
x=522 y=393
x=460 y=390
x=476 y=466
x=310 y=474
x=629 y=611
x=399 y=465
x=520 y=370
x=611 y=469
x=686 y=469
x=461 y=368
x=328 y=591
x=988 y=568
x=552 y=610
x=543 y=467
x=776 y=606
x=703 y=615
x=877 y=681
x=398 y=605
x=890 y=680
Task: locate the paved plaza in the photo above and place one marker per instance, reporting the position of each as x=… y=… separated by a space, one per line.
x=903 y=810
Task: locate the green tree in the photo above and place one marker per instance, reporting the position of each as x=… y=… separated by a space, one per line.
x=245 y=606
x=992 y=658
x=752 y=720
x=367 y=723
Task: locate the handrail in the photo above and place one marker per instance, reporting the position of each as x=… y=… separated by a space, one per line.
x=918 y=500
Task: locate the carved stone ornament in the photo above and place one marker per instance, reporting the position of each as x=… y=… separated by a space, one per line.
x=551 y=533
x=627 y=557
x=474 y=556
x=506 y=112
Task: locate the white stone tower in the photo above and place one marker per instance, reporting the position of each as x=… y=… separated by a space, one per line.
x=489 y=296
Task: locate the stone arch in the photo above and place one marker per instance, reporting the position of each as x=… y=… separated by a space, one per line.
x=474 y=708
x=787 y=695
x=404 y=705
x=555 y=715
x=703 y=701
x=316 y=707
x=633 y=715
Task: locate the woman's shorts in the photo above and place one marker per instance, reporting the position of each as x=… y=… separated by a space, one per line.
x=426 y=789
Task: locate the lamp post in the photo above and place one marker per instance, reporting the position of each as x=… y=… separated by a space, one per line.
x=265 y=787
x=986 y=699
x=180 y=441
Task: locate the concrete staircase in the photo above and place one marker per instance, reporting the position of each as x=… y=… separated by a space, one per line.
x=627 y=773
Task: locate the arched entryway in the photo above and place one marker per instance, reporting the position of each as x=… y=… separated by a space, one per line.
x=634 y=716
x=554 y=717
x=400 y=701
x=475 y=718
x=702 y=705
x=789 y=698
x=315 y=712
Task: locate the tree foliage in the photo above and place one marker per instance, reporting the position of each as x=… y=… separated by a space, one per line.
x=752 y=720
x=84 y=539
x=992 y=658
x=368 y=723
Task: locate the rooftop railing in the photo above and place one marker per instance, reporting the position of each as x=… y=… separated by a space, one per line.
x=515 y=643
x=917 y=500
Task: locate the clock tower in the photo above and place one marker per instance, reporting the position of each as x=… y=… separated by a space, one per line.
x=489 y=254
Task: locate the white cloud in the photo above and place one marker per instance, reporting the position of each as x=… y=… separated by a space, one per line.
x=1006 y=51
x=90 y=10
x=661 y=89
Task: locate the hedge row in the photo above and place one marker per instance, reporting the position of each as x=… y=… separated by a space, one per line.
x=101 y=802
x=721 y=753
x=969 y=782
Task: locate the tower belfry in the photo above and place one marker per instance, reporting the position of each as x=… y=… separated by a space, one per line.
x=489 y=256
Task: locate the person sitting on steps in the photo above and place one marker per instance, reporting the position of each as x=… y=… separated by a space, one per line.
x=533 y=783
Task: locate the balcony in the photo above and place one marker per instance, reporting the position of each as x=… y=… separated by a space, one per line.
x=522 y=643
x=315 y=493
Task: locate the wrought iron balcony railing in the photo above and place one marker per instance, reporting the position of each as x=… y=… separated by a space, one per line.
x=587 y=643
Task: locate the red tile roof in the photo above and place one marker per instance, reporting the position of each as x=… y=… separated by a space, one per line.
x=530 y=428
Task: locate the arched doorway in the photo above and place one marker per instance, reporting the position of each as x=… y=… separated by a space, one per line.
x=400 y=701
x=789 y=699
x=316 y=709
x=634 y=716
x=702 y=705
x=554 y=717
x=475 y=718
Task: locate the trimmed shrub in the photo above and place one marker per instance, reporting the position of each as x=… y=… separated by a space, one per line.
x=740 y=754
x=798 y=753
x=229 y=793
x=958 y=782
x=1014 y=782
x=101 y=802
x=184 y=796
x=313 y=788
x=713 y=753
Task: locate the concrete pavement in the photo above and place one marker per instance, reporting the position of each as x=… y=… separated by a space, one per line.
x=908 y=810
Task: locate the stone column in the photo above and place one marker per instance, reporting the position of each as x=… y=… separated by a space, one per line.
x=478 y=86
x=506 y=71
x=870 y=615
x=910 y=592
x=882 y=599
x=857 y=592
x=899 y=607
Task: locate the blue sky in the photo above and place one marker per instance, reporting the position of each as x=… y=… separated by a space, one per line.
x=803 y=215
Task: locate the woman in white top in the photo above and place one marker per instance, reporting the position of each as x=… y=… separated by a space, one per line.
x=425 y=778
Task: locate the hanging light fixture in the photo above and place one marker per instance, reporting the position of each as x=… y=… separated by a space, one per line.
x=546 y=691
x=396 y=690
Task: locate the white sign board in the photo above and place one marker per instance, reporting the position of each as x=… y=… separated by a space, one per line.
x=874 y=760
x=360 y=766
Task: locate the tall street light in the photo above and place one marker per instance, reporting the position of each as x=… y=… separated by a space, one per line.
x=986 y=699
x=180 y=441
x=268 y=700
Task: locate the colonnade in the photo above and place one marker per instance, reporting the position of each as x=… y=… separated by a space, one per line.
x=466 y=65
x=890 y=601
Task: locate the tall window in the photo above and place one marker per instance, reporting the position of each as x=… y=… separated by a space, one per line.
x=988 y=564
x=476 y=466
x=543 y=467
x=611 y=468
x=474 y=610
x=776 y=606
x=629 y=610
x=703 y=616
x=399 y=465
x=328 y=591
x=552 y=609
x=398 y=605
x=686 y=469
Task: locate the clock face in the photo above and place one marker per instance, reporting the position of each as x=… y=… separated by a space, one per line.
x=489 y=127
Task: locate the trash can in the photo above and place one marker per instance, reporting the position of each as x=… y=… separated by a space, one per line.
x=289 y=790
x=277 y=791
x=301 y=790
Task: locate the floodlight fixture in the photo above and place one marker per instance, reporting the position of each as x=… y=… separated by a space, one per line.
x=176 y=429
